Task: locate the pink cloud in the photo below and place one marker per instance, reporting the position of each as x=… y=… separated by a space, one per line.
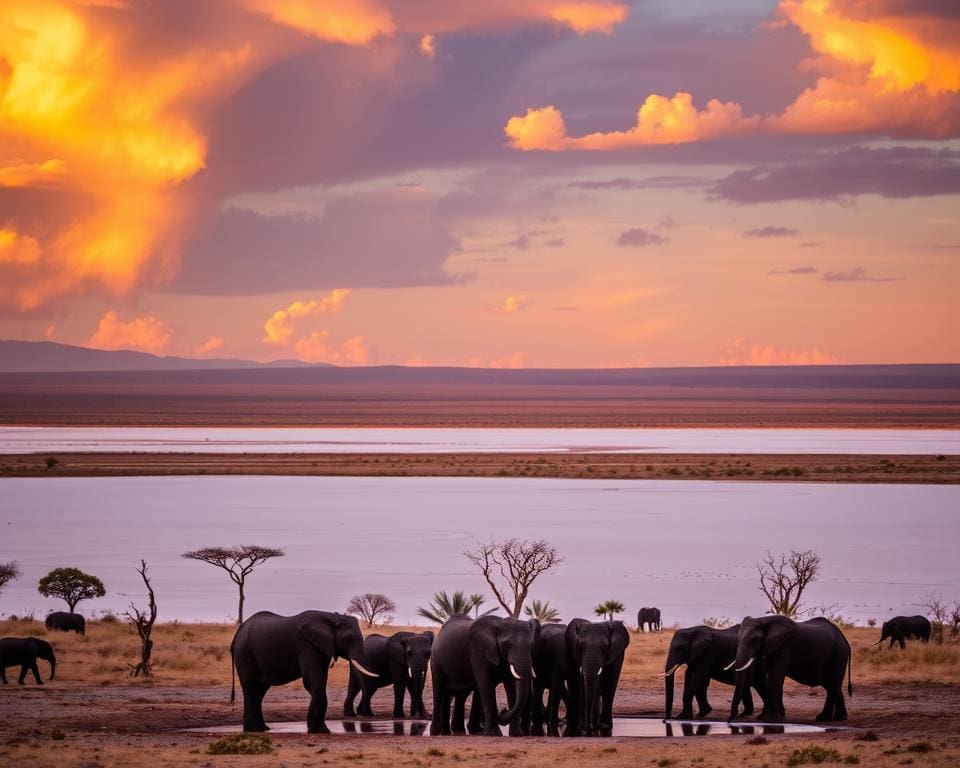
x=743 y=353
x=146 y=334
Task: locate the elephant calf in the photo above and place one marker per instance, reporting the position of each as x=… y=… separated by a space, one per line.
x=401 y=660
x=25 y=651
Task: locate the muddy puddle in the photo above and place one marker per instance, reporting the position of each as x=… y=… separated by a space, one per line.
x=635 y=727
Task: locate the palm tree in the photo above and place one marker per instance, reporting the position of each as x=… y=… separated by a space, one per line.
x=542 y=612
x=608 y=608
x=458 y=604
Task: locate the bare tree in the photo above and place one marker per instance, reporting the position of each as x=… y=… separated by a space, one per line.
x=371 y=606
x=9 y=572
x=238 y=562
x=143 y=622
x=783 y=578
x=510 y=567
x=938 y=611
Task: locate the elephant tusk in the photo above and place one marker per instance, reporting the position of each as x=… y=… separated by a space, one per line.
x=600 y=671
x=672 y=669
x=410 y=672
x=513 y=672
x=731 y=665
x=533 y=673
x=362 y=669
x=746 y=666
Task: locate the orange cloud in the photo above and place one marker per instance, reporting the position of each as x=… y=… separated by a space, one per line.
x=428 y=46
x=888 y=71
x=516 y=360
x=354 y=22
x=316 y=348
x=210 y=345
x=581 y=16
x=31 y=174
x=17 y=249
x=740 y=353
x=279 y=326
x=146 y=334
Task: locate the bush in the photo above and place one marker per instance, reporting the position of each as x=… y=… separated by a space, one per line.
x=921 y=747
x=819 y=755
x=241 y=744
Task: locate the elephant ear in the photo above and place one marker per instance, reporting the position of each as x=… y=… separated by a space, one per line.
x=700 y=645
x=398 y=649
x=776 y=635
x=483 y=637
x=535 y=631
x=319 y=632
x=429 y=634
x=572 y=637
x=619 y=640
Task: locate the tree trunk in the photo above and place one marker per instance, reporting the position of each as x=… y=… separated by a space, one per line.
x=240 y=607
x=72 y=605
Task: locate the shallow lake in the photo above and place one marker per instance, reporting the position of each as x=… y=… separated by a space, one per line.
x=688 y=547
x=415 y=440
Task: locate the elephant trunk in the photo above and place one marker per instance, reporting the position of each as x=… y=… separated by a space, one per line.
x=668 y=682
x=590 y=670
x=521 y=670
x=358 y=659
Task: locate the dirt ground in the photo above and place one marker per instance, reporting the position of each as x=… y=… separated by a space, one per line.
x=770 y=467
x=904 y=712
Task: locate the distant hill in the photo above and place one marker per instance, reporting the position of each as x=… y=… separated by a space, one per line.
x=49 y=357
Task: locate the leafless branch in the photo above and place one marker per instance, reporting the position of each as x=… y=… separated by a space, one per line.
x=371 y=606
x=518 y=563
x=784 y=577
x=143 y=622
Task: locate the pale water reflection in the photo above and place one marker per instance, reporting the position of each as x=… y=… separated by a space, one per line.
x=688 y=547
x=421 y=440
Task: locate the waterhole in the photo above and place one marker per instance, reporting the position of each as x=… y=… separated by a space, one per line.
x=636 y=727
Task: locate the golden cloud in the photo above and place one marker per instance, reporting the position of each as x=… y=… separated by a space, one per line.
x=279 y=326
x=316 y=348
x=514 y=303
x=896 y=73
x=146 y=334
x=210 y=345
x=742 y=353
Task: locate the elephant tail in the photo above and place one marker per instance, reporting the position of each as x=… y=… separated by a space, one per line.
x=849 y=667
x=233 y=676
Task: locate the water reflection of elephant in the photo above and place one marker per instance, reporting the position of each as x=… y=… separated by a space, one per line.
x=688 y=729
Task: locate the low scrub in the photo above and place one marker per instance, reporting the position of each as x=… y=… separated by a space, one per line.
x=818 y=756
x=241 y=744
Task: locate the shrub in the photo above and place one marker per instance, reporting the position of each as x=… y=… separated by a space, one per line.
x=921 y=747
x=241 y=744
x=819 y=755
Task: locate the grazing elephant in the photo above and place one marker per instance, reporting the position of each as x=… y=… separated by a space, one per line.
x=478 y=655
x=552 y=665
x=902 y=628
x=400 y=660
x=25 y=651
x=268 y=649
x=813 y=653
x=596 y=650
x=61 y=621
x=705 y=652
x=649 y=618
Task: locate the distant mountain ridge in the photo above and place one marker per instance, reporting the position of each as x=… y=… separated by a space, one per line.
x=50 y=357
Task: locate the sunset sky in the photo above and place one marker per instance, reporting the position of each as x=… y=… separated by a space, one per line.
x=506 y=183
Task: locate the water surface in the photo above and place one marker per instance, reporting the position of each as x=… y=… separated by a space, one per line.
x=688 y=547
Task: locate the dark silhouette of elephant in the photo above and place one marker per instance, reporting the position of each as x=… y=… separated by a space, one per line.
x=596 y=650
x=25 y=651
x=400 y=660
x=268 y=650
x=552 y=664
x=61 y=621
x=477 y=655
x=902 y=628
x=706 y=652
x=813 y=652
x=649 y=618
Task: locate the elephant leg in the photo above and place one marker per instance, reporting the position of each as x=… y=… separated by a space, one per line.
x=36 y=672
x=315 y=681
x=840 y=706
x=399 y=687
x=553 y=708
x=253 y=694
x=826 y=714
x=902 y=642
x=475 y=721
x=536 y=709
x=23 y=672
x=747 y=701
x=488 y=697
x=440 y=723
x=353 y=688
x=458 y=719
x=774 y=712
x=686 y=699
x=3 y=674
x=366 y=698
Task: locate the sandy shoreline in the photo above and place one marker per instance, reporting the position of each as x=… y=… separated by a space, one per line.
x=842 y=468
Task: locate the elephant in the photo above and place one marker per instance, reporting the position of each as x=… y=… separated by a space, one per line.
x=901 y=628
x=268 y=649
x=596 y=653
x=61 y=621
x=552 y=665
x=478 y=655
x=813 y=652
x=25 y=651
x=400 y=660
x=705 y=652
x=649 y=617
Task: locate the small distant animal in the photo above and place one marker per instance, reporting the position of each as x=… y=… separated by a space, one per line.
x=25 y=651
x=649 y=618
x=899 y=629
x=61 y=621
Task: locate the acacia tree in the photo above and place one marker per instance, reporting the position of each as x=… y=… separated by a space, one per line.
x=784 y=577
x=238 y=562
x=143 y=622
x=608 y=608
x=372 y=605
x=510 y=567
x=71 y=585
x=9 y=572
